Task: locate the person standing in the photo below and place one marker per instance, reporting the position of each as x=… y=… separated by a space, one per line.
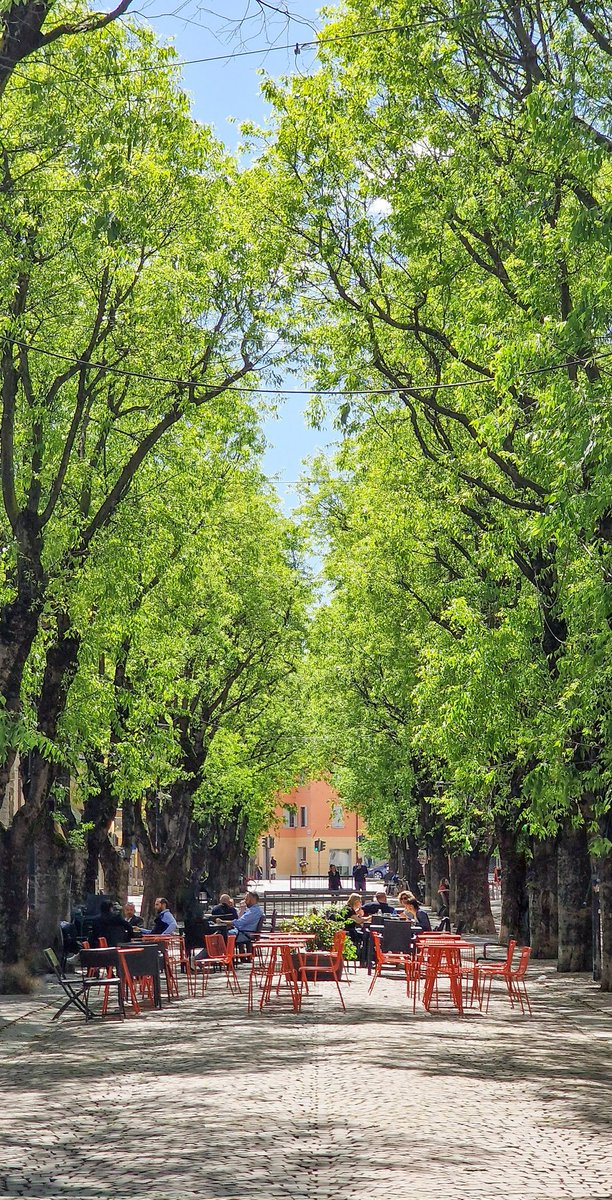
x=443 y=898
x=272 y=867
x=303 y=866
x=360 y=874
x=334 y=879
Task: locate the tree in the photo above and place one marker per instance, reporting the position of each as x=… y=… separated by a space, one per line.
x=134 y=302
x=445 y=190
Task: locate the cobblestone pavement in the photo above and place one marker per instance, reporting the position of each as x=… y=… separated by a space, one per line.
x=203 y=1100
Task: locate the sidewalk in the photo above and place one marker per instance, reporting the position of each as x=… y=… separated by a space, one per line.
x=202 y=1100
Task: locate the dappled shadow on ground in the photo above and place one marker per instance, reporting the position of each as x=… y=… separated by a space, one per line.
x=206 y=1100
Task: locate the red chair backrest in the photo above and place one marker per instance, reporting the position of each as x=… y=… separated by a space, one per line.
x=215 y=945
x=378 y=954
x=510 y=953
x=523 y=961
x=338 y=941
x=230 y=947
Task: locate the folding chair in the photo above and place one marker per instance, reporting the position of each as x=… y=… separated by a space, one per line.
x=79 y=996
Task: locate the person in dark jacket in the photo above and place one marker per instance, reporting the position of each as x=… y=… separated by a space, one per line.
x=360 y=874
x=415 y=913
x=164 y=922
x=225 y=908
x=334 y=879
x=129 y=912
x=111 y=925
x=379 y=905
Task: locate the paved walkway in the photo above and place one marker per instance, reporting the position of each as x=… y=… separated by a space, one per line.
x=204 y=1101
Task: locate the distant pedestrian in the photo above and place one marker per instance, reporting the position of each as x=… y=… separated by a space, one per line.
x=303 y=866
x=443 y=898
x=273 y=868
x=334 y=879
x=360 y=874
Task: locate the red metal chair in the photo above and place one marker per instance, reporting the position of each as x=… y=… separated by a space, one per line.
x=491 y=970
x=219 y=955
x=517 y=979
x=384 y=958
x=513 y=979
x=318 y=966
x=180 y=962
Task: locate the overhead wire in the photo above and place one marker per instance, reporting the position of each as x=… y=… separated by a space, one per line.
x=176 y=381
x=296 y=47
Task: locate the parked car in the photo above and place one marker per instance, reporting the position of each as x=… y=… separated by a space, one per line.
x=378 y=870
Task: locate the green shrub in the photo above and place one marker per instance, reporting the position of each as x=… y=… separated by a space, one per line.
x=324 y=926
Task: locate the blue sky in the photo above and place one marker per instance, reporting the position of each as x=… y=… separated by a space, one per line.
x=225 y=93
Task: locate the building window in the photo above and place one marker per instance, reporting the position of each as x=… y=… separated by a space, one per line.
x=303 y=816
x=289 y=818
x=337 y=817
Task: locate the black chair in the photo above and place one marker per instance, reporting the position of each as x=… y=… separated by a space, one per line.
x=78 y=991
x=398 y=937
x=146 y=962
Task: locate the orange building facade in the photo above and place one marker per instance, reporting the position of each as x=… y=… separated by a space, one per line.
x=311 y=813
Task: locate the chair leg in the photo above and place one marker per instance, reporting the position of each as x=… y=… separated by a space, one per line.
x=374 y=977
x=341 y=996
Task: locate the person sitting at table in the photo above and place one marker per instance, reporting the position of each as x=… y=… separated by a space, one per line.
x=247 y=924
x=380 y=904
x=413 y=912
x=225 y=908
x=129 y=912
x=356 y=923
x=111 y=925
x=164 y=922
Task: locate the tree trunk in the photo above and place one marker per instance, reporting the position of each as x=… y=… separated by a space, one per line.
x=470 y=890
x=605 y=919
x=15 y=844
x=437 y=868
x=575 y=926
x=116 y=868
x=54 y=866
x=404 y=851
x=164 y=843
x=542 y=889
x=515 y=900
x=226 y=856
x=163 y=876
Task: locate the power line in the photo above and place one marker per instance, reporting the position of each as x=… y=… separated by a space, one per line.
x=175 y=381
x=297 y=47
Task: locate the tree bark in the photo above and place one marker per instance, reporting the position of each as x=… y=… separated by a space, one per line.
x=515 y=900
x=470 y=897
x=437 y=868
x=605 y=920
x=116 y=869
x=225 y=858
x=58 y=878
x=575 y=926
x=164 y=842
x=15 y=847
x=542 y=890
x=404 y=851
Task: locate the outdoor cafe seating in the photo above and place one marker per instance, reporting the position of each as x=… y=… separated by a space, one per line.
x=78 y=991
x=439 y=968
